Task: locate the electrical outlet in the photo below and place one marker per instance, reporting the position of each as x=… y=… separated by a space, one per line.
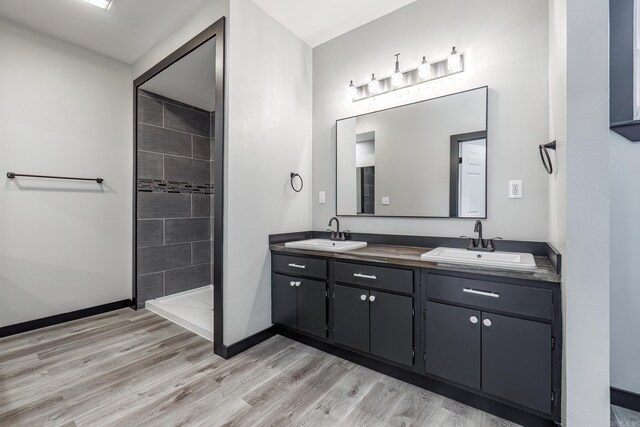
x=515 y=189
x=385 y=200
x=322 y=197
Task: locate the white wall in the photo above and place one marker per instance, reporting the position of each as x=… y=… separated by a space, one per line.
x=579 y=213
x=269 y=137
x=64 y=110
x=515 y=67
x=203 y=18
x=625 y=269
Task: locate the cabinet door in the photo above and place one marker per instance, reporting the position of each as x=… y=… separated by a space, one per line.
x=516 y=360
x=312 y=307
x=351 y=317
x=453 y=343
x=284 y=304
x=391 y=327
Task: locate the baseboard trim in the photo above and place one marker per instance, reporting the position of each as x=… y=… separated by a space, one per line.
x=31 y=325
x=625 y=399
x=228 y=351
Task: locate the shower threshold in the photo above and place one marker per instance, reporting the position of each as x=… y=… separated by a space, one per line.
x=193 y=310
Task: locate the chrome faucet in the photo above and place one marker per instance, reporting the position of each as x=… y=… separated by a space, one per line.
x=481 y=244
x=337 y=235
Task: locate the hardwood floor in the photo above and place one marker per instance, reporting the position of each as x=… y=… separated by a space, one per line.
x=136 y=368
x=621 y=417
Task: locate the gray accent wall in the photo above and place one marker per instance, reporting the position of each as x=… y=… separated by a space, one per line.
x=175 y=197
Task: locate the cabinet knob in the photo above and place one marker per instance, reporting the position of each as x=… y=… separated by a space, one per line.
x=298 y=283
x=487 y=322
x=473 y=319
x=363 y=297
x=292 y=283
x=372 y=298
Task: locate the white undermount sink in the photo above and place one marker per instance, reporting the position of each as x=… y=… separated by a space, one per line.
x=504 y=260
x=326 y=245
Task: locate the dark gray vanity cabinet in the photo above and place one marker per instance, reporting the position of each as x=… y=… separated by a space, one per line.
x=374 y=310
x=374 y=322
x=517 y=352
x=495 y=341
x=453 y=343
x=284 y=301
x=299 y=304
x=503 y=355
x=299 y=294
x=351 y=317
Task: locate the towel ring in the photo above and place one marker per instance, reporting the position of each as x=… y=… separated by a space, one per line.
x=293 y=176
x=544 y=155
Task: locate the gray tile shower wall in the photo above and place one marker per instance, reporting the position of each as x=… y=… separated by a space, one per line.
x=175 y=197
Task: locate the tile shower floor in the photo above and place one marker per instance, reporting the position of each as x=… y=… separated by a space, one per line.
x=192 y=310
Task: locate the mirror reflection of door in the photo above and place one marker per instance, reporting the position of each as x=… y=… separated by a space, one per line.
x=472 y=174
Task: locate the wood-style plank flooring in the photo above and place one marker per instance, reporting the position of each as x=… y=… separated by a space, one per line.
x=622 y=417
x=136 y=368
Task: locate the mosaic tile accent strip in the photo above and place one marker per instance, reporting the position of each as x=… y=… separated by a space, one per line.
x=163 y=186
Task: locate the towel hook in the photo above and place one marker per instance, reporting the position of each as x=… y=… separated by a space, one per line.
x=544 y=155
x=293 y=175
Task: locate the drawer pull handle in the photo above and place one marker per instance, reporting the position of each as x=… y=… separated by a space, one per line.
x=298 y=283
x=297 y=266
x=473 y=319
x=292 y=283
x=363 y=297
x=364 y=276
x=372 y=298
x=487 y=322
x=483 y=293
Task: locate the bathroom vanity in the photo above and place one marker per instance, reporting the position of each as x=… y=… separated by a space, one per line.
x=487 y=337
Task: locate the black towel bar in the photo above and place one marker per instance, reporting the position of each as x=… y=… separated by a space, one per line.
x=12 y=175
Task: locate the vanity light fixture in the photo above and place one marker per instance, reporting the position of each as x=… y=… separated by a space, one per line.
x=424 y=70
x=352 y=91
x=454 y=62
x=374 y=85
x=397 y=79
x=102 y=4
x=401 y=82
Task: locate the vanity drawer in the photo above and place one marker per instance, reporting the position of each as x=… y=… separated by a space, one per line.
x=384 y=278
x=299 y=266
x=483 y=294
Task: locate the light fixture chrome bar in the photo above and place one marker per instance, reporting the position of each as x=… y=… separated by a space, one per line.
x=439 y=70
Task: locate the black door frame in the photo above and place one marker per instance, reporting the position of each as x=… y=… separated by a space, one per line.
x=217 y=31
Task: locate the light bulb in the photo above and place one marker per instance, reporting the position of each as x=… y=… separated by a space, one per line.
x=374 y=85
x=397 y=79
x=454 y=62
x=352 y=91
x=424 y=70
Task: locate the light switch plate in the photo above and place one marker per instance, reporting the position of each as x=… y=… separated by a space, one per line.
x=385 y=200
x=322 y=197
x=515 y=189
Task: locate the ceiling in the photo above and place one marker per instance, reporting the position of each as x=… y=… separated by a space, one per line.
x=125 y=32
x=190 y=80
x=316 y=22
